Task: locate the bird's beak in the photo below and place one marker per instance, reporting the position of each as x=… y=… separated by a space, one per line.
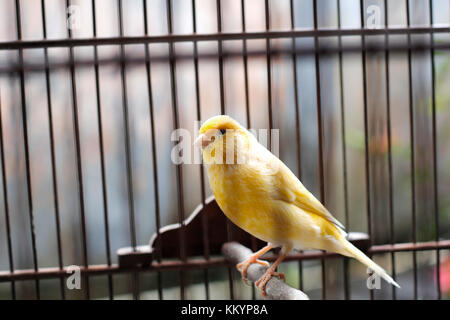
x=201 y=141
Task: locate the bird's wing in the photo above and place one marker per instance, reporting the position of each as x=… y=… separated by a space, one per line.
x=290 y=189
x=286 y=186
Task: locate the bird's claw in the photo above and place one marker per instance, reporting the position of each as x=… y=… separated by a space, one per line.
x=243 y=266
x=262 y=282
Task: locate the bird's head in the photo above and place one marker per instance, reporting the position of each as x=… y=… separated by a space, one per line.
x=223 y=141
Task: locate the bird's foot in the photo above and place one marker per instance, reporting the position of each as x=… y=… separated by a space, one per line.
x=243 y=266
x=262 y=282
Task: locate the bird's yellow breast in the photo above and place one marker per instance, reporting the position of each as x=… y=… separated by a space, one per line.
x=237 y=194
x=246 y=198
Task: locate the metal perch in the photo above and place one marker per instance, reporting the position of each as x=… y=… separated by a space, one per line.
x=276 y=289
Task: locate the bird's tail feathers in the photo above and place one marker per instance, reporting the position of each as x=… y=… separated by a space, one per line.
x=351 y=251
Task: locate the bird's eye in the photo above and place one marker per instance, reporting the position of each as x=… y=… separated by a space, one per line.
x=222 y=131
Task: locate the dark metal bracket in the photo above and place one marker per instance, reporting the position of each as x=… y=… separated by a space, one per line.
x=204 y=232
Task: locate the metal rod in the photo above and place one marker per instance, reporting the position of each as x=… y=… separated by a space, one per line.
x=320 y=136
x=247 y=104
x=102 y=155
x=366 y=132
x=5 y=199
x=344 y=152
x=46 y=273
x=79 y=170
x=245 y=60
x=158 y=249
x=413 y=166
x=52 y=152
x=413 y=247
x=435 y=158
x=389 y=136
x=297 y=119
x=171 y=38
x=128 y=155
x=179 y=173
x=220 y=48
x=27 y=152
x=223 y=111
x=205 y=228
x=269 y=74
x=303 y=51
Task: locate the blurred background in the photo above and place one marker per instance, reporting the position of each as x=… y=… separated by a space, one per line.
x=341 y=93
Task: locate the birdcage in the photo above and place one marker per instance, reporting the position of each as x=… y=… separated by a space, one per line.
x=91 y=92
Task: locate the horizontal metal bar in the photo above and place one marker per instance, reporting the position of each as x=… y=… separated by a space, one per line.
x=98 y=270
x=200 y=263
x=139 y=60
x=418 y=246
x=171 y=38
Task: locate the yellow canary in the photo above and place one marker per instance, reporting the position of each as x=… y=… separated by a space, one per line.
x=261 y=195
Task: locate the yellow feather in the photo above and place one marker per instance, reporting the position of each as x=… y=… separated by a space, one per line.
x=262 y=196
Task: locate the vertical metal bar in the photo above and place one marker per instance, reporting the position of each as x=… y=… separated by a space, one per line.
x=179 y=173
x=52 y=152
x=102 y=155
x=413 y=169
x=154 y=158
x=389 y=134
x=76 y=128
x=320 y=134
x=366 y=130
x=245 y=59
x=5 y=198
x=126 y=124
x=219 y=44
x=223 y=111
x=297 y=119
x=435 y=176
x=344 y=150
x=26 y=147
x=247 y=103
x=269 y=74
x=202 y=175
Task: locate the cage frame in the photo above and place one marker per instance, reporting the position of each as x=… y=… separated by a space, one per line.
x=208 y=261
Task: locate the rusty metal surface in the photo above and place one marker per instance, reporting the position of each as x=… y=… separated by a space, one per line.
x=201 y=263
x=143 y=258
x=172 y=38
